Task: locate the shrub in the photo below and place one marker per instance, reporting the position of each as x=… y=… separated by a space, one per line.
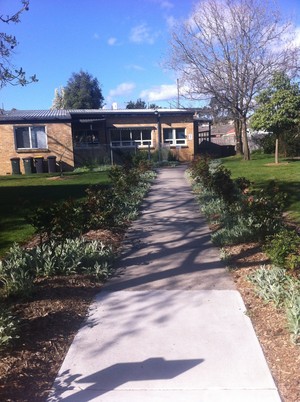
x=283 y=248
x=276 y=286
x=74 y=256
x=58 y=221
x=235 y=229
x=222 y=184
x=200 y=171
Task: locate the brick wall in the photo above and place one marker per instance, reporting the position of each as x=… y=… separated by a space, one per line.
x=59 y=138
x=182 y=153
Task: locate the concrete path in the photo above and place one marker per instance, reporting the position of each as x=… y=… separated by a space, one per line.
x=170 y=326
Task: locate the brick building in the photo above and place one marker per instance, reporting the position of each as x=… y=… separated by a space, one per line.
x=77 y=137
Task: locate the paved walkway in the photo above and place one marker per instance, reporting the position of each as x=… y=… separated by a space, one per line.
x=170 y=326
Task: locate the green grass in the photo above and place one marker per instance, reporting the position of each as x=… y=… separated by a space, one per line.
x=21 y=194
x=261 y=170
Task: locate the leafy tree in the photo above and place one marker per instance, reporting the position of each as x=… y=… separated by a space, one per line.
x=59 y=99
x=83 y=92
x=278 y=108
x=139 y=104
x=154 y=106
x=9 y=74
x=229 y=50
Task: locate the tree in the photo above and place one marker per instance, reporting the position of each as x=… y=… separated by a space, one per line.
x=229 y=50
x=139 y=104
x=83 y=92
x=278 y=108
x=9 y=74
x=59 y=99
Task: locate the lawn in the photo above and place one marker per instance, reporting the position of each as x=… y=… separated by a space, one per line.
x=261 y=170
x=21 y=194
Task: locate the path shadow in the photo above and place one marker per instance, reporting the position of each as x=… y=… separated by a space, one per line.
x=169 y=246
x=112 y=377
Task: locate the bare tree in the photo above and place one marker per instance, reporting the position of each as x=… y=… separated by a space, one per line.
x=59 y=99
x=9 y=74
x=229 y=50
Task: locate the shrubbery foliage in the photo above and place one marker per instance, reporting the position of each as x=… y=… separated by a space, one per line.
x=62 y=249
x=241 y=214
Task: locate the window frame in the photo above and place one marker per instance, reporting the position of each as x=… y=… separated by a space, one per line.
x=84 y=134
x=131 y=142
x=174 y=141
x=30 y=137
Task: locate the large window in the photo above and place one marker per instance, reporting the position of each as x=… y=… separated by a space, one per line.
x=86 y=138
x=134 y=137
x=174 y=136
x=30 y=137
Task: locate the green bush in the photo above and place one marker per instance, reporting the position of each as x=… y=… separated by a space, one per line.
x=58 y=221
x=283 y=249
x=235 y=229
x=200 y=171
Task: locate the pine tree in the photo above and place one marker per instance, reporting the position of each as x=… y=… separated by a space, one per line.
x=83 y=92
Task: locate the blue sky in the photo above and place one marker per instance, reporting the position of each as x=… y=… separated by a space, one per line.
x=120 y=42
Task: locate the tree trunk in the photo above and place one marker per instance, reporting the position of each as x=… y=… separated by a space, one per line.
x=245 y=140
x=238 y=137
x=276 y=149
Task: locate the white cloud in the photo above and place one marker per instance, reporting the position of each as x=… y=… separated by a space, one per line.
x=135 y=67
x=165 y=4
x=143 y=34
x=112 y=41
x=123 y=89
x=160 y=93
x=171 y=21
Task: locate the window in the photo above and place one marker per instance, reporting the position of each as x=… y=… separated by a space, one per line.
x=131 y=137
x=174 y=136
x=31 y=137
x=86 y=138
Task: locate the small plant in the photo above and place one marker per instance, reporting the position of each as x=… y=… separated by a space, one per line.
x=293 y=313
x=16 y=272
x=73 y=257
x=283 y=249
x=275 y=285
x=8 y=328
x=271 y=284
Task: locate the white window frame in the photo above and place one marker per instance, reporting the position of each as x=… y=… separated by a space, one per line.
x=174 y=141
x=30 y=128
x=131 y=143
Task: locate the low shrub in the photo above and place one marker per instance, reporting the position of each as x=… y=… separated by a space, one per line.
x=234 y=230
x=16 y=273
x=283 y=248
x=74 y=256
x=276 y=286
x=58 y=221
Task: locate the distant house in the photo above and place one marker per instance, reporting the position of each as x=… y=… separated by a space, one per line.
x=77 y=137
